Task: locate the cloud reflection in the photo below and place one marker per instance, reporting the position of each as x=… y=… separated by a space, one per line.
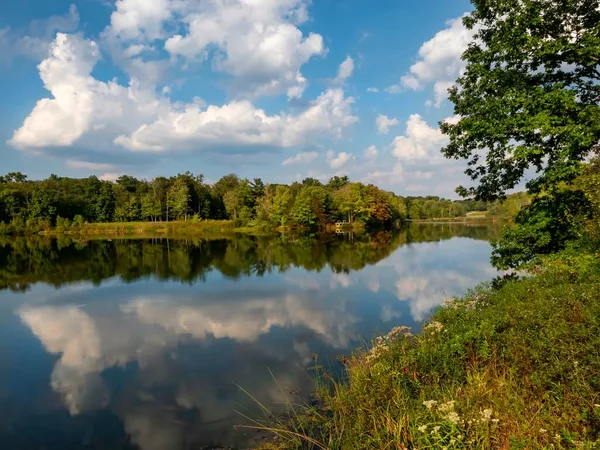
x=181 y=354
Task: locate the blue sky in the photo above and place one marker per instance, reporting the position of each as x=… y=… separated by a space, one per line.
x=278 y=89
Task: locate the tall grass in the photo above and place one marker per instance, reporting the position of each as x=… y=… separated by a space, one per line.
x=516 y=367
x=189 y=227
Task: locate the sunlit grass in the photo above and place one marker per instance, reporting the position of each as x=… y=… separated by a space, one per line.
x=188 y=227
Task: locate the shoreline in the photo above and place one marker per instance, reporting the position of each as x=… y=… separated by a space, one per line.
x=512 y=362
x=188 y=228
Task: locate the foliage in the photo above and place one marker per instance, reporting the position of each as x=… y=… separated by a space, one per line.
x=529 y=94
x=589 y=183
x=178 y=199
x=78 y=220
x=543 y=227
x=62 y=224
x=528 y=99
x=515 y=367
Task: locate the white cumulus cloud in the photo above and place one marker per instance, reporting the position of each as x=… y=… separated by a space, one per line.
x=91 y=112
x=240 y=123
x=345 y=70
x=338 y=160
x=86 y=165
x=420 y=141
x=110 y=176
x=140 y=19
x=35 y=41
x=439 y=61
x=419 y=167
x=301 y=158
x=258 y=42
x=81 y=105
x=371 y=153
x=384 y=123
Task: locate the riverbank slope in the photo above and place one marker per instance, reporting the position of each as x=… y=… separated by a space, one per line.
x=509 y=366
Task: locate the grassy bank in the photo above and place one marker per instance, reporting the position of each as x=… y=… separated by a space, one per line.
x=516 y=367
x=474 y=217
x=189 y=228
x=179 y=228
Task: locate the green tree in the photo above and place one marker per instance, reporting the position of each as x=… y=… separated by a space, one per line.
x=529 y=93
x=351 y=202
x=178 y=199
x=528 y=98
x=100 y=200
x=130 y=183
x=543 y=227
x=282 y=204
x=264 y=207
x=338 y=182
x=13 y=204
x=13 y=177
x=398 y=207
x=414 y=210
x=311 y=182
x=239 y=201
x=226 y=183
x=150 y=206
x=309 y=207
x=380 y=208
x=42 y=205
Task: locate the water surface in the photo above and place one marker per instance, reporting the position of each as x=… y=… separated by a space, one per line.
x=144 y=344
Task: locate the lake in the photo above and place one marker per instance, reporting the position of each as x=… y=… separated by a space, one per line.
x=159 y=344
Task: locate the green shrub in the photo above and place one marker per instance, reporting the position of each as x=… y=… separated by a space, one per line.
x=78 y=220
x=5 y=229
x=62 y=224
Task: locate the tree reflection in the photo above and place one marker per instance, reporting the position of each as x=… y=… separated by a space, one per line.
x=28 y=260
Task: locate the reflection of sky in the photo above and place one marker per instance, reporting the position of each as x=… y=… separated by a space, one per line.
x=166 y=359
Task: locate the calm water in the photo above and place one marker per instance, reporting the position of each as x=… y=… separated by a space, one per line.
x=144 y=344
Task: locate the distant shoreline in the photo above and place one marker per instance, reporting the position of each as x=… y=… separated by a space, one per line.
x=474 y=219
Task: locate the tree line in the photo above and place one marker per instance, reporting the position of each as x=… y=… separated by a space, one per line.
x=59 y=201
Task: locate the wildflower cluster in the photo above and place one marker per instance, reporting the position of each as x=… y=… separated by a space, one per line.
x=446 y=409
x=486 y=416
x=477 y=300
x=434 y=327
x=444 y=431
x=382 y=342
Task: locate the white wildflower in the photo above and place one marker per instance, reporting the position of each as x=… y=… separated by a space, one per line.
x=486 y=415
x=434 y=327
x=429 y=404
x=398 y=332
x=423 y=428
x=450 y=303
x=453 y=417
x=447 y=406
